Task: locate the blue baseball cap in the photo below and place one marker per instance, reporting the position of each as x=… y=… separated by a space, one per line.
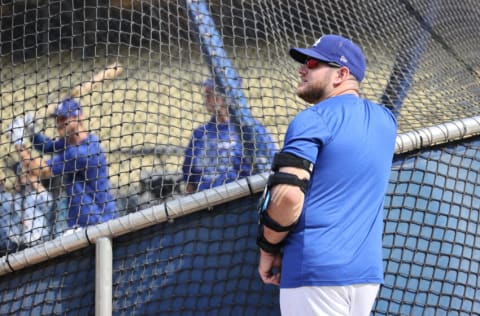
x=68 y=108
x=335 y=49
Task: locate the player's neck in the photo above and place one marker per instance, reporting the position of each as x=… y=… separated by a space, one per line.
x=347 y=87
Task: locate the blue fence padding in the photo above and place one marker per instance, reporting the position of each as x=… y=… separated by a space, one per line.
x=63 y=286
x=206 y=263
x=431 y=242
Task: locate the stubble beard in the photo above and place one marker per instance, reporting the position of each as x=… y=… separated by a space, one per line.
x=310 y=94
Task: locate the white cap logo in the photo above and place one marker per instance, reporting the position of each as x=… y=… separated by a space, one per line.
x=343 y=59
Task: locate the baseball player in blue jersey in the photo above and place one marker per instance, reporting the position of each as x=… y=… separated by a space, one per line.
x=321 y=217
x=79 y=158
x=215 y=155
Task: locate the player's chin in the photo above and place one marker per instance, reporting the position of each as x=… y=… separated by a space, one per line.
x=304 y=88
x=304 y=94
x=302 y=85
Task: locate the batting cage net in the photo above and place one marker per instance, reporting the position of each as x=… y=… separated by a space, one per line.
x=183 y=215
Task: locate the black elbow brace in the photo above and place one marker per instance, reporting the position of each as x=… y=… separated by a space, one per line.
x=282 y=160
x=274 y=179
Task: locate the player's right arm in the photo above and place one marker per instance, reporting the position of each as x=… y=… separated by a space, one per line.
x=280 y=210
x=284 y=209
x=286 y=204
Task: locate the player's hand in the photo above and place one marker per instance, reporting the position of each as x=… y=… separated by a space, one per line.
x=30 y=124
x=15 y=130
x=269 y=267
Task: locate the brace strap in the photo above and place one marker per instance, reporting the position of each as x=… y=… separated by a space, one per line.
x=287 y=178
x=265 y=245
x=290 y=160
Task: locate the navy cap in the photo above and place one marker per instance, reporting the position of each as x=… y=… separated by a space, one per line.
x=334 y=49
x=68 y=108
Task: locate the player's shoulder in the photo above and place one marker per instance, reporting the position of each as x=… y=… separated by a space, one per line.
x=93 y=137
x=383 y=111
x=309 y=115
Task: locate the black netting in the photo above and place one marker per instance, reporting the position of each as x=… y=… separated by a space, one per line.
x=206 y=262
x=422 y=63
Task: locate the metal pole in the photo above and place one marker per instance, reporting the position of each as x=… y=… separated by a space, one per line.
x=103 y=277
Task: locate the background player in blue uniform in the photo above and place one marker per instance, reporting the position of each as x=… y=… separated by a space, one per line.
x=215 y=154
x=332 y=252
x=79 y=159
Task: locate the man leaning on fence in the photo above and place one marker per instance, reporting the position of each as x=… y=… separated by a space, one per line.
x=77 y=156
x=321 y=219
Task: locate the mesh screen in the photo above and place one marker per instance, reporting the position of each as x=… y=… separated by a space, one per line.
x=422 y=63
x=431 y=233
x=206 y=262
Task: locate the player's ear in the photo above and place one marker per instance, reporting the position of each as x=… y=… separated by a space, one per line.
x=341 y=74
x=344 y=73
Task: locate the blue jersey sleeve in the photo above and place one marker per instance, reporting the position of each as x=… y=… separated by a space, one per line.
x=266 y=148
x=305 y=136
x=191 y=173
x=187 y=161
x=46 y=145
x=68 y=161
x=57 y=164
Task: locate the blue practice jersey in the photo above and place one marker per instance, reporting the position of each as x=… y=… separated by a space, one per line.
x=85 y=176
x=338 y=239
x=214 y=156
